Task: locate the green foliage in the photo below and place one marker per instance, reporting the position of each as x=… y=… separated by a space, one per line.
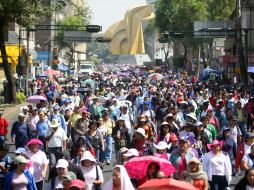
x=69 y=21
x=179 y=15
x=220 y=10
x=20 y=97
x=23 y=12
x=102 y=51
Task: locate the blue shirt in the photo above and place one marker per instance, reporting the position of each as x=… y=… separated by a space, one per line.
x=42 y=128
x=20 y=129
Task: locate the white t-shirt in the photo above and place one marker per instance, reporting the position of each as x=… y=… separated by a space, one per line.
x=218 y=165
x=38 y=159
x=247 y=149
x=58 y=184
x=234 y=132
x=127 y=119
x=90 y=176
x=57 y=139
x=248 y=160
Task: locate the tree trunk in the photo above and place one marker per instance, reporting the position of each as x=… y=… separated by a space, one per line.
x=185 y=55
x=11 y=90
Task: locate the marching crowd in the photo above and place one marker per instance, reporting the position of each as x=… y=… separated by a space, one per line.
x=176 y=128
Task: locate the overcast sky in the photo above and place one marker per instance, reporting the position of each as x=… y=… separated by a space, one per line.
x=107 y=12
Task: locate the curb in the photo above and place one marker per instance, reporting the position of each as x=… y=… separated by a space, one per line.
x=12 y=108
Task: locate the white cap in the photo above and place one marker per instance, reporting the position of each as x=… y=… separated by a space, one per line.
x=25 y=108
x=141 y=131
x=131 y=152
x=21 y=115
x=62 y=163
x=198 y=123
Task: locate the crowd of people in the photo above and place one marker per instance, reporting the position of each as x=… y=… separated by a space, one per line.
x=184 y=129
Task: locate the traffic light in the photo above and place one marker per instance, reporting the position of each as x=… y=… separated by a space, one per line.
x=93 y=28
x=103 y=39
x=55 y=56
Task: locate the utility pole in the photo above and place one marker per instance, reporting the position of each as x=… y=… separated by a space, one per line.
x=242 y=61
x=27 y=59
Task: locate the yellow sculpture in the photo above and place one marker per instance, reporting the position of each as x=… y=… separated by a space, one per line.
x=127 y=35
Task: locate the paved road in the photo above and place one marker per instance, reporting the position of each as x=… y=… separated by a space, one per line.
x=107 y=170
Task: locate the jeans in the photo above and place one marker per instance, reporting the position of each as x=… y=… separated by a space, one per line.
x=242 y=127
x=39 y=185
x=218 y=182
x=108 y=147
x=2 y=139
x=53 y=155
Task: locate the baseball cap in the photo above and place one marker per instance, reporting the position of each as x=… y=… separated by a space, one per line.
x=20 y=159
x=249 y=135
x=25 y=108
x=131 y=152
x=62 y=163
x=77 y=183
x=20 y=150
x=70 y=176
x=141 y=131
x=184 y=138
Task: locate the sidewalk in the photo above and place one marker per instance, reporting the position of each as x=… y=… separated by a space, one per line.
x=10 y=109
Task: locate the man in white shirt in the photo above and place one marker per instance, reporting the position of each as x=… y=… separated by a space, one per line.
x=127 y=116
x=56 y=138
x=148 y=112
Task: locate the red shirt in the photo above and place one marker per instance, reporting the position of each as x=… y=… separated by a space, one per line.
x=3 y=126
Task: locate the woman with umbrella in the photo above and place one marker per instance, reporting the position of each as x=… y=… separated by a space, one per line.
x=120 y=180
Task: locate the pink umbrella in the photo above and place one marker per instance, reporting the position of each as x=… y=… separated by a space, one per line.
x=51 y=72
x=36 y=99
x=137 y=167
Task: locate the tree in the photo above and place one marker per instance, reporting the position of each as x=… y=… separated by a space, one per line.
x=25 y=13
x=102 y=51
x=178 y=16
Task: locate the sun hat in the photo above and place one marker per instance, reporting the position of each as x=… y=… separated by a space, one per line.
x=226 y=129
x=184 y=138
x=141 y=131
x=120 y=119
x=161 y=145
x=77 y=183
x=70 y=176
x=249 y=135
x=88 y=156
x=192 y=115
x=34 y=141
x=164 y=123
x=198 y=124
x=20 y=150
x=62 y=163
x=21 y=115
x=56 y=107
x=168 y=115
x=54 y=123
x=20 y=159
x=131 y=152
x=25 y=108
x=215 y=142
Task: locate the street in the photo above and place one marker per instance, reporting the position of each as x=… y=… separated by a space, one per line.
x=107 y=169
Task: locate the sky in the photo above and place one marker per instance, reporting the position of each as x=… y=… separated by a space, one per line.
x=107 y=12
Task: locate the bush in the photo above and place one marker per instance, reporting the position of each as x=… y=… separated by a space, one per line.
x=2 y=100
x=20 y=97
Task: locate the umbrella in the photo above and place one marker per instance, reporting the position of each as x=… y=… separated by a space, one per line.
x=165 y=184
x=155 y=76
x=137 y=167
x=36 y=99
x=52 y=72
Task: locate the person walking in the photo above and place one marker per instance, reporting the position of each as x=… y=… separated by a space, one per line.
x=20 y=131
x=3 y=128
x=217 y=166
